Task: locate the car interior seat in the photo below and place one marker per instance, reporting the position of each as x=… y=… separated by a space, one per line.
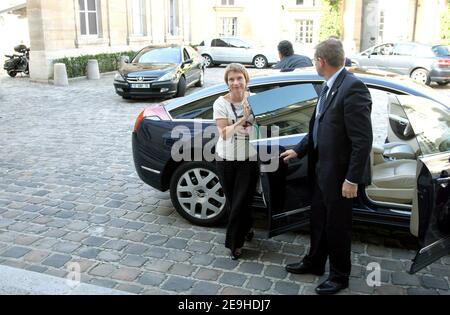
x=393 y=169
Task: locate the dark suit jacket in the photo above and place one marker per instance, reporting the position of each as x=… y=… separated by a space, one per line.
x=344 y=137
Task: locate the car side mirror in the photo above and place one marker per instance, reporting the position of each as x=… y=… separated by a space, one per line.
x=126 y=59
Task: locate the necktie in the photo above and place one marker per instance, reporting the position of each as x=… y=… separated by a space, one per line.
x=322 y=99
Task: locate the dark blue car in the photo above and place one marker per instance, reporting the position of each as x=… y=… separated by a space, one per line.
x=410 y=163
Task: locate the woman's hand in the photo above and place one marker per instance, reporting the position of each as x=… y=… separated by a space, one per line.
x=246 y=109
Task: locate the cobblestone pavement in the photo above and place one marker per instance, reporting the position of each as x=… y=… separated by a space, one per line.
x=69 y=194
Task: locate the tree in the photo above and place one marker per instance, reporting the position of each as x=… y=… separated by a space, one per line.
x=445 y=25
x=331 y=19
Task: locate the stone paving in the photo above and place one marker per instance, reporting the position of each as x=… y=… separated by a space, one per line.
x=69 y=194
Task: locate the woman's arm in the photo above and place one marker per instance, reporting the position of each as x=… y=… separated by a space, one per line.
x=225 y=130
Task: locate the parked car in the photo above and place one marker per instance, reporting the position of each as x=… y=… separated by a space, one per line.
x=423 y=63
x=232 y=49
x=160 y=72
x=417 y=121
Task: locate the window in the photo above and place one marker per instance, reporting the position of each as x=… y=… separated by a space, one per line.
x=186 y=55
x=403 y=50
x=88 y=17
x=288 y=109
x=158 y=55
x=174 y=19
x=229 y=26
x=227 y=2
x=304 y=31
x=237 y=43
x=218 y=43
x=138 y=17
x=300 y=2
x=381 y=27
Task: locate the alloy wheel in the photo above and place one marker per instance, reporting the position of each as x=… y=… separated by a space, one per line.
x=260 y=62
x=200 y=194
x=208 y=61
x=420 y=76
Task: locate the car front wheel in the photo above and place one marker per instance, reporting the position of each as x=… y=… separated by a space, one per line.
x=421 y=76
x=181 y=88
x=208 y=61
x=197 y=195
x=260 y=62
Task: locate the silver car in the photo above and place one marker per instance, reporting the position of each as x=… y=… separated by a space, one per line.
x=231 y=49
x=423 y=63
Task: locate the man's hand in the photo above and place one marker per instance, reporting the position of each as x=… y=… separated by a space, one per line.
x=287 y=155
x=349 y=190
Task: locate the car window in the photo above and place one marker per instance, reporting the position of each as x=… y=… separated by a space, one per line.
x=441 y=51
x=423 y=51
x=236 y=43
x=379 y=115
x=403 y=50
x=199 y=109
x=218 y=43
x=288 y=108
x=430 y=122
x=383 y=50
x=202 y=43
x=159 y=55
x=186 y=55
x=192 y=52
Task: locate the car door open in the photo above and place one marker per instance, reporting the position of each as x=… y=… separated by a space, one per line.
x=284 y=114
x=430 y=217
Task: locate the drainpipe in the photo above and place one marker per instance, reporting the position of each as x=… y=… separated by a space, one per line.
x=75 y=23
x=416 y=9
x=109 y=24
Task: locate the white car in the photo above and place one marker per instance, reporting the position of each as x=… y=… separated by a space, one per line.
x=231 y=49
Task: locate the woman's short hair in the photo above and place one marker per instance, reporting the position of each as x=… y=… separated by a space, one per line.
x=236 y=67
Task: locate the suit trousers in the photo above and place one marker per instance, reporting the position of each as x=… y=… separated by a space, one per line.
x=238 y=180
x=331 y=234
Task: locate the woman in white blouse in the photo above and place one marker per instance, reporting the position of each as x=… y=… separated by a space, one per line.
x=237 y=164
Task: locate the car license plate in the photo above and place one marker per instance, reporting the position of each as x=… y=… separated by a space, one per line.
x=140 y=85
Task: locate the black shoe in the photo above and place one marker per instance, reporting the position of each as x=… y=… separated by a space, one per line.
x=331 y=287
x=303 y=268
x=250 y=236
x=236 y=254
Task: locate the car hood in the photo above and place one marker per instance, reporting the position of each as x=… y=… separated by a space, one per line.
x=139 y=69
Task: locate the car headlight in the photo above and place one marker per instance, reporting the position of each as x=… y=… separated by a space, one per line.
x=118 y=77
x=168 y=76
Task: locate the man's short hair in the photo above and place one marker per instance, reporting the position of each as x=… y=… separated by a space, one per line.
x=332 y=51
x=285 y=48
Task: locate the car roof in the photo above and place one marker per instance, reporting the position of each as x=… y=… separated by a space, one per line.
x=382 y=79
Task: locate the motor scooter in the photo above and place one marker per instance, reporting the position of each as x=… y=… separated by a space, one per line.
x=18 y=63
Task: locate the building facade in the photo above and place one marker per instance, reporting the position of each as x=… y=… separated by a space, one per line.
x=65 y=28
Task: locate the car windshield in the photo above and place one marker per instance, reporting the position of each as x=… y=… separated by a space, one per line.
x=430 y=122
x=441 y=51
x=159 y=55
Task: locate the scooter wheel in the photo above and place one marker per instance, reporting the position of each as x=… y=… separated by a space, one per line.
x=12 y=74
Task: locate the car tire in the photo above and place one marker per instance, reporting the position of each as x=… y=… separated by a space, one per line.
x=181 y=88
x=421 y=75
x=197 y=195
x=443 y=83
x=126 y=97
x=208 y=61
x=12 y=73
x=201 y=80
x=260 y=62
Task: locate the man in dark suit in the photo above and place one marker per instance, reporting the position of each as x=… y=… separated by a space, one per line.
x=338 y=147
x=288 y=60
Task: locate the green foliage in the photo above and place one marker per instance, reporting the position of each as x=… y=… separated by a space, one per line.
x=445 y=26
x=331 y=20
x=76 y=66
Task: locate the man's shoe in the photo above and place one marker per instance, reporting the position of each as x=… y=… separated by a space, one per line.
x=303 y=268
x=331 y=287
